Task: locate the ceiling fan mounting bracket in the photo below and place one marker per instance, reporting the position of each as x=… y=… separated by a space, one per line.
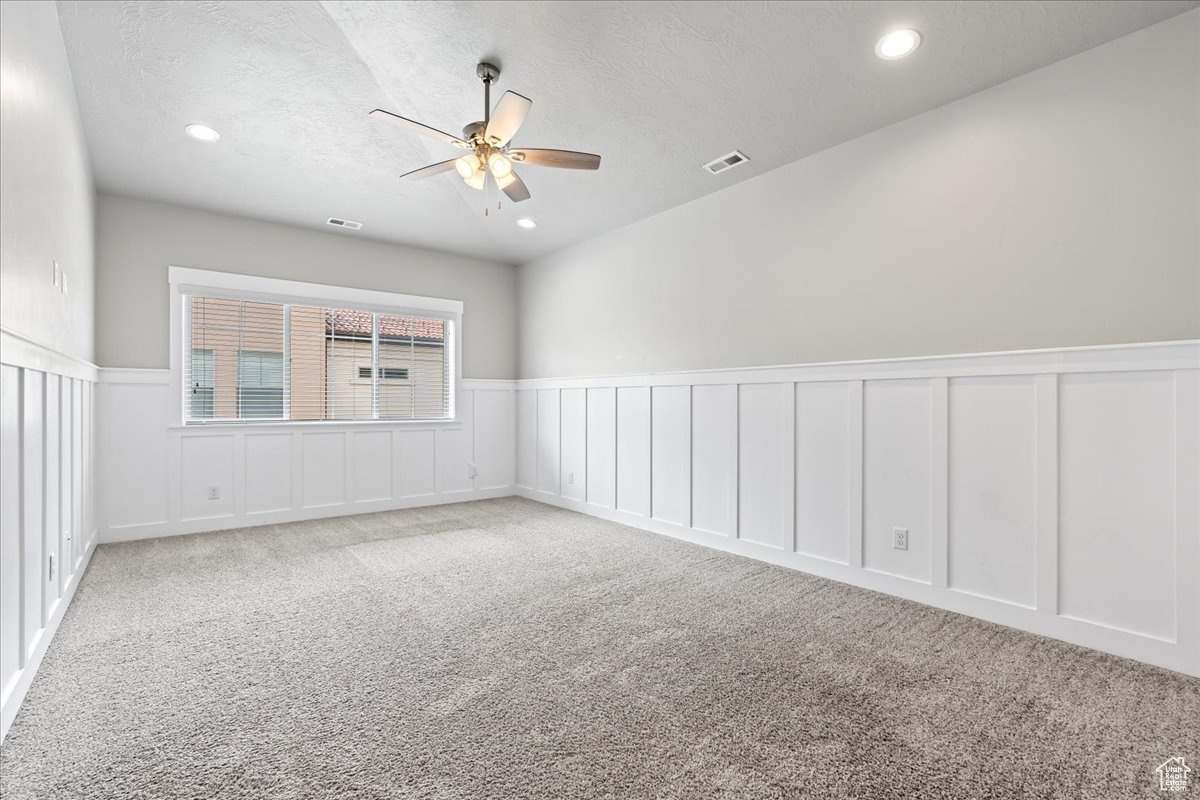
x=487 y=72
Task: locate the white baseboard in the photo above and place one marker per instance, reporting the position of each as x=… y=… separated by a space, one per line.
x=156 y=530
x=16 y=694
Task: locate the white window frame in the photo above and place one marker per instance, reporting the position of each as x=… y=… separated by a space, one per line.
x=185 y=281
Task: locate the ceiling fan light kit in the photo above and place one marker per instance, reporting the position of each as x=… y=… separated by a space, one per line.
x=476 y=180
x=467 y=165
x=489 y=142
x=499 y=165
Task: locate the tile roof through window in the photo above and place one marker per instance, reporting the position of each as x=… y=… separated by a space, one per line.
x=342 y=322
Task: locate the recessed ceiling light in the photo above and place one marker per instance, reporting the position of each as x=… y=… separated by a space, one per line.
x=202 y=133
x=526 y=222
x=897 y=44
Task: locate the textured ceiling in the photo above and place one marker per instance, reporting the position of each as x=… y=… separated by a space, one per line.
x=656 y=88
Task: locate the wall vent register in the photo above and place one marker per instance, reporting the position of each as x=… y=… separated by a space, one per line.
x=344 y=223
x=727 y=161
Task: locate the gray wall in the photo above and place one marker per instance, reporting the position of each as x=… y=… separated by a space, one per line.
x=46 y=192
x=1057 y=209
x=136 y=242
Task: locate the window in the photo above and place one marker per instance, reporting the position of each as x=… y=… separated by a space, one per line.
x=254 y=358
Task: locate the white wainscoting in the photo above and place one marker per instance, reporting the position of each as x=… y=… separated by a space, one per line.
x=46 y=524
x=155 y=478
x=1054 y=491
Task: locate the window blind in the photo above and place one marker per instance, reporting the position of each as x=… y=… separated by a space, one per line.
x=252 y=360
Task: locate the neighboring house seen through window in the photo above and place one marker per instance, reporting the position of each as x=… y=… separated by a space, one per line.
x=278 y=361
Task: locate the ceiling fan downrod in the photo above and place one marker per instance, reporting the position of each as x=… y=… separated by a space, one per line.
x=487 y=73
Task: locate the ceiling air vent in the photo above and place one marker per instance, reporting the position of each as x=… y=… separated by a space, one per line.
x=343 y=223
x=728 y=161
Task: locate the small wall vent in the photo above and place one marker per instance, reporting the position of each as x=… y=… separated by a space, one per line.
x=727 y=161
x=343 y=223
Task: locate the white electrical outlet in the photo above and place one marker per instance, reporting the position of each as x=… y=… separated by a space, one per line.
x=214 y=493
x=571 y=478
x=57 y=275
x=472 y=471
x=900 y=538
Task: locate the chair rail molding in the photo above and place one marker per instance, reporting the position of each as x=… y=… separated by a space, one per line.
x=1054 y=491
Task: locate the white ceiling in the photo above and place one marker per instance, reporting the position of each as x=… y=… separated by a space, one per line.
x=656 y=88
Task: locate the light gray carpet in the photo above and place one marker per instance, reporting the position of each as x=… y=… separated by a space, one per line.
x=508 y=649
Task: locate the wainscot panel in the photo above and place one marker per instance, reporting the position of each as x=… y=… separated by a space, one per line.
x=163 y=480
x=1052 y=490
x=47 y=528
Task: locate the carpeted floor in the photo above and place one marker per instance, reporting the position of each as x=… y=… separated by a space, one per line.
x=506 y=649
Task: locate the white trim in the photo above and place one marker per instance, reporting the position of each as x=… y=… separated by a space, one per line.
x=1187 y=508
x=19 y=350
x=488 y=385
x=939 y=483
x=224 y=427
x=854 y=477
x=233 y=284
x=20 y=687
x=1046 y=492
x=1184 y=354
x=161 y=375
x=163 y=528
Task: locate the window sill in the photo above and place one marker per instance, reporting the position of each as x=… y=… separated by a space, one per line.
x=228 y=426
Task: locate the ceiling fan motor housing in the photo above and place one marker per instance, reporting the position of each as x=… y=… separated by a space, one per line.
x=474 y=131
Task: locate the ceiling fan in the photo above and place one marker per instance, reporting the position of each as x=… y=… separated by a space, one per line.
x=489 y=143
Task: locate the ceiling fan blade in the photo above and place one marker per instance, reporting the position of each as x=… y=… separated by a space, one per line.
x=515 y=189
x=563 y=159
x=507 y=118
x=416 y=127
x=432 y=169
